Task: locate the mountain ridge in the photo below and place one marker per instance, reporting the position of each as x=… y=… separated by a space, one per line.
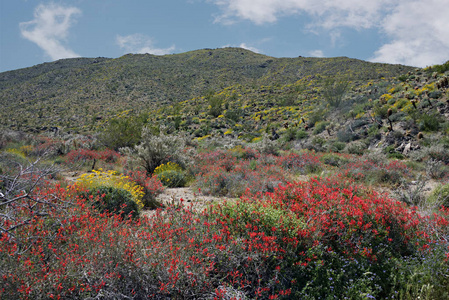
x=73 y=92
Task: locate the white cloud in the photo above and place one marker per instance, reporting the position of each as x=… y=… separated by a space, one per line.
x=417 y=30
x=50 y=28
x=139 y=43
x=420 y=34
x=331 y=12
x=245 y=46
x=316 y=53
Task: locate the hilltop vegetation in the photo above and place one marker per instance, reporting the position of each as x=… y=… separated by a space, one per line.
x=79 y=94
x=335 y=173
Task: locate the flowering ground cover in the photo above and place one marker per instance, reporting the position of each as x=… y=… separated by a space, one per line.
x=326 y=238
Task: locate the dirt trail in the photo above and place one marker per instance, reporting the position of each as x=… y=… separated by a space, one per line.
x=174 y=196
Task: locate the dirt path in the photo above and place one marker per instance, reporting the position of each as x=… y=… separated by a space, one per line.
x=174 y=196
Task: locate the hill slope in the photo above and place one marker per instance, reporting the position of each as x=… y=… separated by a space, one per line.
x=76 y=93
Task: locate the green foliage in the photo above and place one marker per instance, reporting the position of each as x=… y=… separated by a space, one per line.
x=216 y=105
x=265 y=217
x=430 y=122
x=89 y=91
x=301 y=134
x=172 y=178
x=233 y=114
x=113 y=200
x=320 y=127
x=333 y=159
x=440 y=195
x=441 y=68
x=334 y=90
x=122 y=132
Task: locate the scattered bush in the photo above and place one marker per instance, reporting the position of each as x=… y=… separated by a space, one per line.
x=113 y=200
x=122 y=132
x=171 y=175
x=155 y=150
x=334 y=160
x=440 y=195
x=96 y=179
x=320 y=127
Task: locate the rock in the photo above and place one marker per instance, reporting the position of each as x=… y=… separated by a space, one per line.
x=407 y=149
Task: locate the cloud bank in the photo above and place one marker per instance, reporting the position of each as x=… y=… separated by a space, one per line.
x=50 y=28
x=139 y=43
x=417 y=30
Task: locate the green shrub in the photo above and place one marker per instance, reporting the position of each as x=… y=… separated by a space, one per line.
x=337 y=146
x=429 y=122
x=333 y=160
x=113 y=200
x=356 y=148
x=320 y=126
x=346 y=135
x=122 y=132
x=440 y=195
x=441 y=68
x=302 y=134
x=264 y=216
x=172 y=178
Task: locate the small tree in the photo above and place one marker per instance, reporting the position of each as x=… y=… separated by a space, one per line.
x=123 y=132
x=334 y=90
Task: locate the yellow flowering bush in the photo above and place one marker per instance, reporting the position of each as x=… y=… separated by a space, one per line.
x=111 y=178
x=170 y=166
x=171 y=174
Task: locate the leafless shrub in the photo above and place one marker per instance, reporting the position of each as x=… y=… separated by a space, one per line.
x=21 y=194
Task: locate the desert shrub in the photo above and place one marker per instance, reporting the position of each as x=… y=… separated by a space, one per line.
x=429 y=122
x=233 y=114
x=336 y=146
x=231 y=173
x=122 y=132
x=334 y=90
x=302 y=134
x=435 y=94
x=98 y=178
x=290 y=134
x=333 y=160
x=435 y=169
x=155 y=150
x=82 y=156
x=440 y=195
x=152 y=187
x=346 y=135
x=216 y=180
x=376 y=172
x=320 y=127
x=412 y=193
x=356 y=147
x=172 y=178
x=171 y=175
x=267 y=146
x=113 y=200
x=302 y=163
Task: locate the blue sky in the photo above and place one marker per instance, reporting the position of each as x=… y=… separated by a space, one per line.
x=411 y=32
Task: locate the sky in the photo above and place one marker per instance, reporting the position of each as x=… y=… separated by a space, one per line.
x=410 y=32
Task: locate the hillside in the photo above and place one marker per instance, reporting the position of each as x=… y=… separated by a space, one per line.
x=79 y=94
x=224 y=174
